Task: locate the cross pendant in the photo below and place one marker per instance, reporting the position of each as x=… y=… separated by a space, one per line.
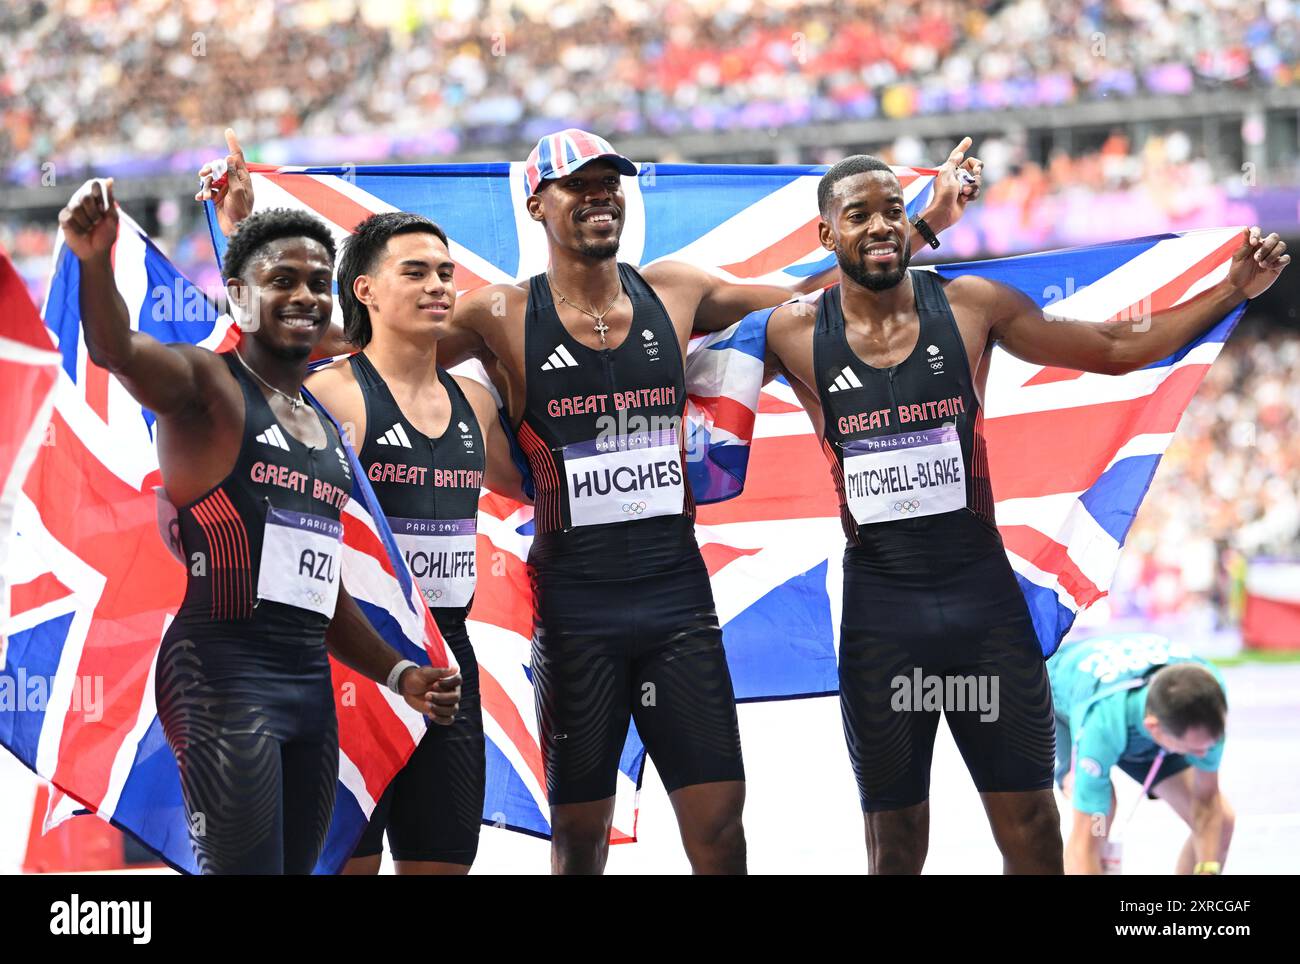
x=601 y=328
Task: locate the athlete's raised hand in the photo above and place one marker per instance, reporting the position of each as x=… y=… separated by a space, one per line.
x=1257 y=263
x=228 y=186
x=957 y=184
x=89 y=221
x=434 y=691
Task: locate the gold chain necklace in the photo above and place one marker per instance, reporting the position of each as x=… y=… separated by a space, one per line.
x=600 y=327
x=294 y=403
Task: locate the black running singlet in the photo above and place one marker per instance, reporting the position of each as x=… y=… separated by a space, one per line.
x=928 y=590
x=428 y=487
x=264 y=544
x=602 y=429
x=905 y=443
x=243 y=681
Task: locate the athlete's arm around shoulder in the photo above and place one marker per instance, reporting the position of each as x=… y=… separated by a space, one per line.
x=710 y=303
x=479 y=316
x=705 y=302
x=174 y=381
x=1114 y=348
x=335 y=387
x=501 y=474
x=790 y=343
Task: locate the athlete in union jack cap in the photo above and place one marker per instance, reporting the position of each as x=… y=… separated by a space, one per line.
x=891 y=367
x=589 y=357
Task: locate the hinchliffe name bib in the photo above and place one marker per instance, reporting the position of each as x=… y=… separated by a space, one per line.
x=441 y=555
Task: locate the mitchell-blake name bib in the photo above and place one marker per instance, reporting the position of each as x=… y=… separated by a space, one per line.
x=904 y=476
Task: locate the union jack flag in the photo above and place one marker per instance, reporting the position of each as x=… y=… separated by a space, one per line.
x=89 y=587
x=1071 y=455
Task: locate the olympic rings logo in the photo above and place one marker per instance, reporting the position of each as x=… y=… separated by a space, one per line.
x=634 y=508
x=433 y=595
x=314 y=597
x=910 y=506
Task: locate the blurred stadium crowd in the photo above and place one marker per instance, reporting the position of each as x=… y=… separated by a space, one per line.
x=1228 y=488
x=1027 y=205
x=83 y=78
x=89 y=82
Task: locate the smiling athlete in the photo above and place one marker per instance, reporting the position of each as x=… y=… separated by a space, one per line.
x=891 y=367
x=243 y=684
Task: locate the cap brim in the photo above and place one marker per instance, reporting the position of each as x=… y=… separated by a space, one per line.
x=621 y=163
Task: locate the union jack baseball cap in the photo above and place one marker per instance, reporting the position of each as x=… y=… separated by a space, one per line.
x=564 y=152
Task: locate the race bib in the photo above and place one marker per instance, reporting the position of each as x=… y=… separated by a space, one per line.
x=301 y=554
x=441 y=555
x=904 y=476
x=624 y=477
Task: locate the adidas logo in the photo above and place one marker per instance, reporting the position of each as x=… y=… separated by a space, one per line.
x=274 y=437
x=845 y=380
x=933 y=349
x=343 y=461
x=560 y=358
x=395 y=436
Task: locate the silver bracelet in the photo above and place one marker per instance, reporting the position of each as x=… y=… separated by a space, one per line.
x=395 y=674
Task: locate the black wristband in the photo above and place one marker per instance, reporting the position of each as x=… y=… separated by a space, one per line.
x=924 y=231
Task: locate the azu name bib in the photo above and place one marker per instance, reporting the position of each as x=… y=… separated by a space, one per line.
x=441 y=554
x=904 y=476
x=301 y=560
x=623 y=477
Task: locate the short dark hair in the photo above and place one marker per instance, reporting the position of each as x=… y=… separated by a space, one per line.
x=256 y=232
x=1186 y=695
x=851 y=165
x=361 y=254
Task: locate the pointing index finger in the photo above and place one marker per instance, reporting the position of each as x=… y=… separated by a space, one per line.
x=959 y=151
x=232 y=144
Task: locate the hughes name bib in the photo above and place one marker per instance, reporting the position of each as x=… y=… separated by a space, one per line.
x=624 y=477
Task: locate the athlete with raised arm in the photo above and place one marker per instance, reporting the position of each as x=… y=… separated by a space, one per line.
x=891 y=367
x=260 y=478
x=429 y=441
x=589 y=359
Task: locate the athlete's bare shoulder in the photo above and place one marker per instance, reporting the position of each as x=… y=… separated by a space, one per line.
x=790 y=337
x=479 y=398
x=973 y=291
x=977 y=303
x=675 y=276
x=792 y=318
x=335 y=386
x=481 y=319
x=332 y=377
x=482 y=309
